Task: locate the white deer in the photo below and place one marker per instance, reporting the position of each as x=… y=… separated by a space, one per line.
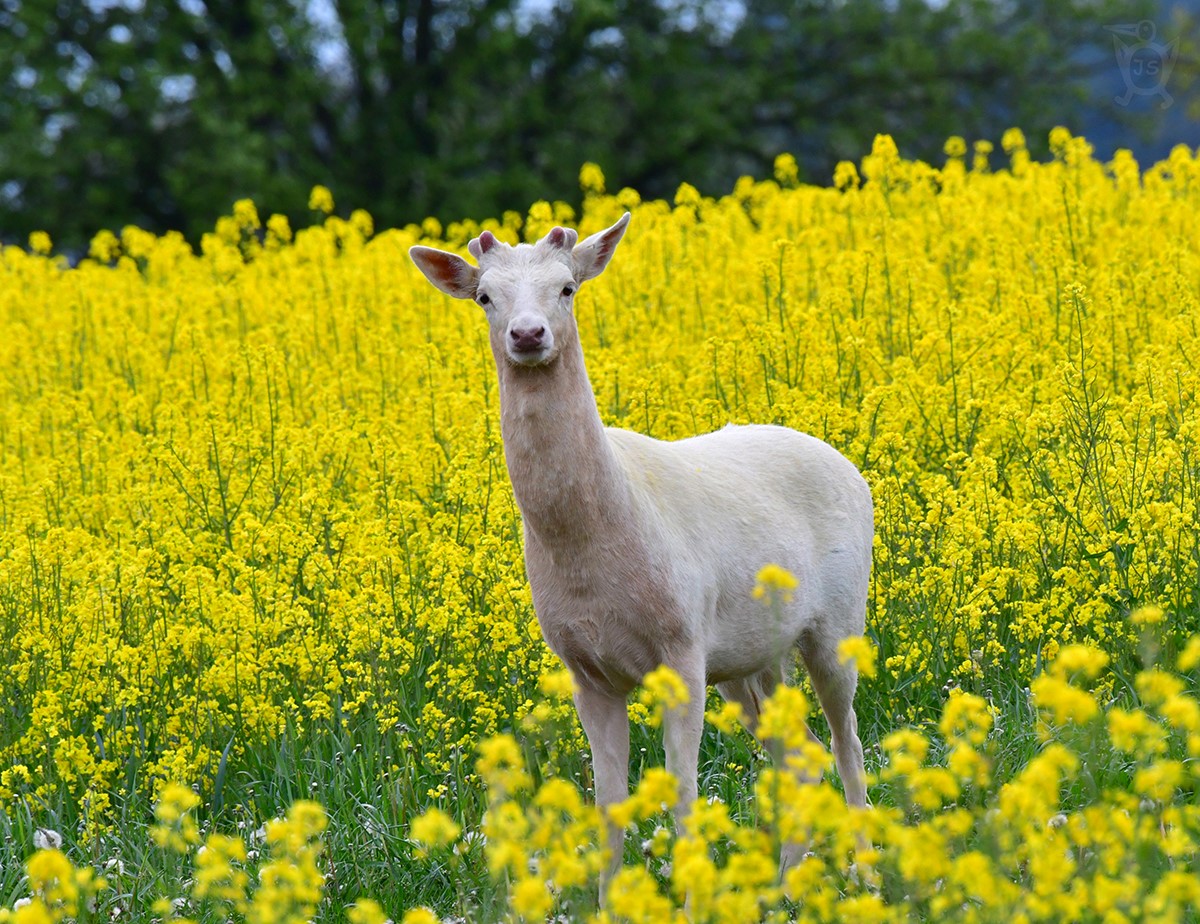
x=643 y=553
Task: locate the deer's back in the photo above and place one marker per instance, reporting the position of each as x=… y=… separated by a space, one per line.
x=749 y=481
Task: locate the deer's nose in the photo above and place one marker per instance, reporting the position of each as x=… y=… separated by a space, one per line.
x=527 y=339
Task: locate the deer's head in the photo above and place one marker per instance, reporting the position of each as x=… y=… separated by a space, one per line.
x=527 y=291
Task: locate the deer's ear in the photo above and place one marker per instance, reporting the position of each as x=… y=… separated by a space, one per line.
x=448 y=272
x=594 y=253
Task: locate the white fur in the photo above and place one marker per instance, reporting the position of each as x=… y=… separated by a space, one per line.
x=642 y=552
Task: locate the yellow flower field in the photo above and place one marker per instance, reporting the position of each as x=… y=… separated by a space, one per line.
x=256 y=496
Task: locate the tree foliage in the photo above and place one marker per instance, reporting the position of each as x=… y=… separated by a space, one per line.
x=162 y=112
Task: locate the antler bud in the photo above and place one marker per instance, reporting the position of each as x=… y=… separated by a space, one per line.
x=482 y=244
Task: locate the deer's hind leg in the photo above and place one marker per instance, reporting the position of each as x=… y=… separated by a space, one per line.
x=834 y=684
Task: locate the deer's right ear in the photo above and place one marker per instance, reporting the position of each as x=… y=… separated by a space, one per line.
x=448 y=272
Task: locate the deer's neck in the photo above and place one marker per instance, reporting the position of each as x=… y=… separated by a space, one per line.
x=565 y=476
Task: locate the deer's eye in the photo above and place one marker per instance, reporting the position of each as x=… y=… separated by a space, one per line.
x=484 y=299
x=568 y=291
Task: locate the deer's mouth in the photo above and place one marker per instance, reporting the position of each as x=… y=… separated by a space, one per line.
x=529 y=356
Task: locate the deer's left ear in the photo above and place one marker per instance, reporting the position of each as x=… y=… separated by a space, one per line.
x=592 y=256
x=448 y=272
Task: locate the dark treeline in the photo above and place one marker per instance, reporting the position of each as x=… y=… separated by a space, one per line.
x=163 y=113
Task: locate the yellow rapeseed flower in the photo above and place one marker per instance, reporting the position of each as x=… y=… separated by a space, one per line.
x=955 y=146
x=531 y=899
x=245 y=213
x=787 y=171
x=845 y=175
x=501 y=765
x=557 y=684
x=420 y=915
x=782 y=718
x=1189 y=658
x=774 y=583
x=725 y=719
x=591 y=179
x=1160 y=780
x=218 y=873
x=176 y=829
x=663 y=691
x=434 y=829
x=367 y=911
x=34 y=912
x=321 y=199
x=687 y=196
x=234 y=444
x=1134 y=732
x=861 y=651
x=966 y=717
x=1013 y=139
x=1061 y=702
x=1079 y=660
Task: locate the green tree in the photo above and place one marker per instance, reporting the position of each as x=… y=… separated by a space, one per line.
x=163 y=112
x=833 y=75
x=158 y=115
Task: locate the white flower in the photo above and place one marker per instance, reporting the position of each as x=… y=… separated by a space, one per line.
x=47 y=839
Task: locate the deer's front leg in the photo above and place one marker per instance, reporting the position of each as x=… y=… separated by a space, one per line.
x=605 y=721
x=682 y=728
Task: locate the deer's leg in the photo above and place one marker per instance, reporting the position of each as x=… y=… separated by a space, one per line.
x=750 y=693
x=834 y=685
x=606 y=723
x=682 y=728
